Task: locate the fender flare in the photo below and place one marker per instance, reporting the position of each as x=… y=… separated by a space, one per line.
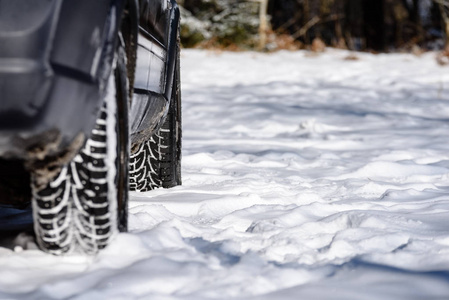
x=130 y=31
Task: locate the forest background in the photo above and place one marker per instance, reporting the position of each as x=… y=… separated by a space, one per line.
x=361 y=25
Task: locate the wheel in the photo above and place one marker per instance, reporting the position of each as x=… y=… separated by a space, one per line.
x=157 y=162
x=85 y=204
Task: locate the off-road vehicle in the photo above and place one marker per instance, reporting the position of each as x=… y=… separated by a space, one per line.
x=89 y=108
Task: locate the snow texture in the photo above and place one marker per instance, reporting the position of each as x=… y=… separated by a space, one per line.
x=304 y=177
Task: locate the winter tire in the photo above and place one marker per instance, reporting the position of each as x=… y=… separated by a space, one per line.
x=85 y=204
x=157 y=162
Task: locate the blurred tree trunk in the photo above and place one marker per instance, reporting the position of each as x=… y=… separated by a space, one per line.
x=306 y=9
x=339 y=35
x=323 y=26
x=416 y=19
x=444 y=10
x=263 y=27
x=374 y=24
x=354 y=25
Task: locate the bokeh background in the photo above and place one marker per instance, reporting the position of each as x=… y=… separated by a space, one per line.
x=362 y=25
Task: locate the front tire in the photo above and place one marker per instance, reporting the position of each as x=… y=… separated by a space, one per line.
x=157 y=162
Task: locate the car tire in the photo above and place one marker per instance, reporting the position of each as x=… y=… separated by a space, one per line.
x=157 y=162
x=85 y=205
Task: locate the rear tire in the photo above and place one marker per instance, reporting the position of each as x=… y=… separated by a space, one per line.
x=85 y=205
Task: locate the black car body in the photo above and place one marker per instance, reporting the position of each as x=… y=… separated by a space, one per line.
x=56 y=57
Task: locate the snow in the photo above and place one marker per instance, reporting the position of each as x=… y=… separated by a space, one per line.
x=304 y=177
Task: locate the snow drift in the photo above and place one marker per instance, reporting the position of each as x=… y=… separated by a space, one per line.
x=311 y=177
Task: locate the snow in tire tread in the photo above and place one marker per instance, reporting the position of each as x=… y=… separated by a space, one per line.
x=75 y=211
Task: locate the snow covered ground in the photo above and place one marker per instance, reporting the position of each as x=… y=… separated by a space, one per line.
x=304 y=177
